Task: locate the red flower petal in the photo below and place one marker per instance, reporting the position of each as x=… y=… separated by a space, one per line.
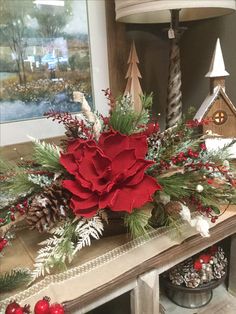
x=76 y=189
x=128 y=198
x=137 y=172
x=79 y=203
x=76 y=144
x=87 y=212
x=139 y=143
x=83 y=182
x=67 y=160
x=101 y=163
x=128 y=158
x=111 y=143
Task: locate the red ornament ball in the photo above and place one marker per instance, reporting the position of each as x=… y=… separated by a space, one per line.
x=19 y=310
x=13 y=308
x=56 y=308
x=42 y=306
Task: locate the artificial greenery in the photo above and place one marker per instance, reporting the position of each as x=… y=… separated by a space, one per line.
x=15 y=180
x=127 y=121
x=47 y=155
x=66 y=240
x=14 y=279
x=178 y=185
x=20 y=184
x=137 y=223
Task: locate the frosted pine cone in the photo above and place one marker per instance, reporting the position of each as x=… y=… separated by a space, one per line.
x=175 y=277
x=187 y=266
x=48 y=207
x=192 y=280
x=173 y=208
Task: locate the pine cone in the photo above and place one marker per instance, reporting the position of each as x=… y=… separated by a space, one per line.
x=48 y=207
x=173 y=208
x=176 y=277
x=192 y=280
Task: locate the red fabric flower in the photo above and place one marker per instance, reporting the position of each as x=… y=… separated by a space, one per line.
x=110 y=174
x=197 y=265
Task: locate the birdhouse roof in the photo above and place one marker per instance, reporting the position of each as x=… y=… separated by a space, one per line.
x=209 y=101
x=217 y=67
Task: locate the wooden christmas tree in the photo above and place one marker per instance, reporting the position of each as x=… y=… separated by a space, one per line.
x=133 y=87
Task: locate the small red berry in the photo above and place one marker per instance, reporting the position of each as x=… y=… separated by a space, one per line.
x=42 y=306
x=56 y=308
x=12 y=217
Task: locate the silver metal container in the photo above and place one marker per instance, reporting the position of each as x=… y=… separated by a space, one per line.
x=191 y=298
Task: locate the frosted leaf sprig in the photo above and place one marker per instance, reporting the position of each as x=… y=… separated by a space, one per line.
x=66 y=240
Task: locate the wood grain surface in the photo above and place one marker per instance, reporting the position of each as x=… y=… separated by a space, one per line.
x=161 y=261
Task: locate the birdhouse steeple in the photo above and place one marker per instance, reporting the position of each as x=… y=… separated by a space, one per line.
x=217 y=72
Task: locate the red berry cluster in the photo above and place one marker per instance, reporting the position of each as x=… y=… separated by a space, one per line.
x=110 y=98
x=195 y=123
x=41 y=307
x=164 y=165
x=205 y=258
x=182 y=157
x=3 y=243
x=10 y=215
x=201 y=165
x=206 y=210
x=68 y=121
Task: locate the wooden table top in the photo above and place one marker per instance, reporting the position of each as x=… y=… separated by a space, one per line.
x=111 y=262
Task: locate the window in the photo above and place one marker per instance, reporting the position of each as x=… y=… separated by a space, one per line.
x=220 y=117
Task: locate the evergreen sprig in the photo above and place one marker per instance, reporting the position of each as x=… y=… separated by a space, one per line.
x=19 y=184
x=14 y=279
x=47 y=155
x=218 y=155
x=125 y=120
x=7 y=167
x=178 y=185
x=137 y=223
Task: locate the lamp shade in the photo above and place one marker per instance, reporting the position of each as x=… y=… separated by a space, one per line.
x=157 y=11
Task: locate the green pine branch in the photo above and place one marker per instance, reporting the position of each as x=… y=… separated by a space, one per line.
x=7 y=167
x=47 y=155
x=137 y=223
x=18 y=184
x=14 y=279
x=179 y=185
x=127 y=121
x=219 y=155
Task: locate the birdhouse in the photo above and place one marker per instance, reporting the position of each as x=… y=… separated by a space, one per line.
x=217 y=108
